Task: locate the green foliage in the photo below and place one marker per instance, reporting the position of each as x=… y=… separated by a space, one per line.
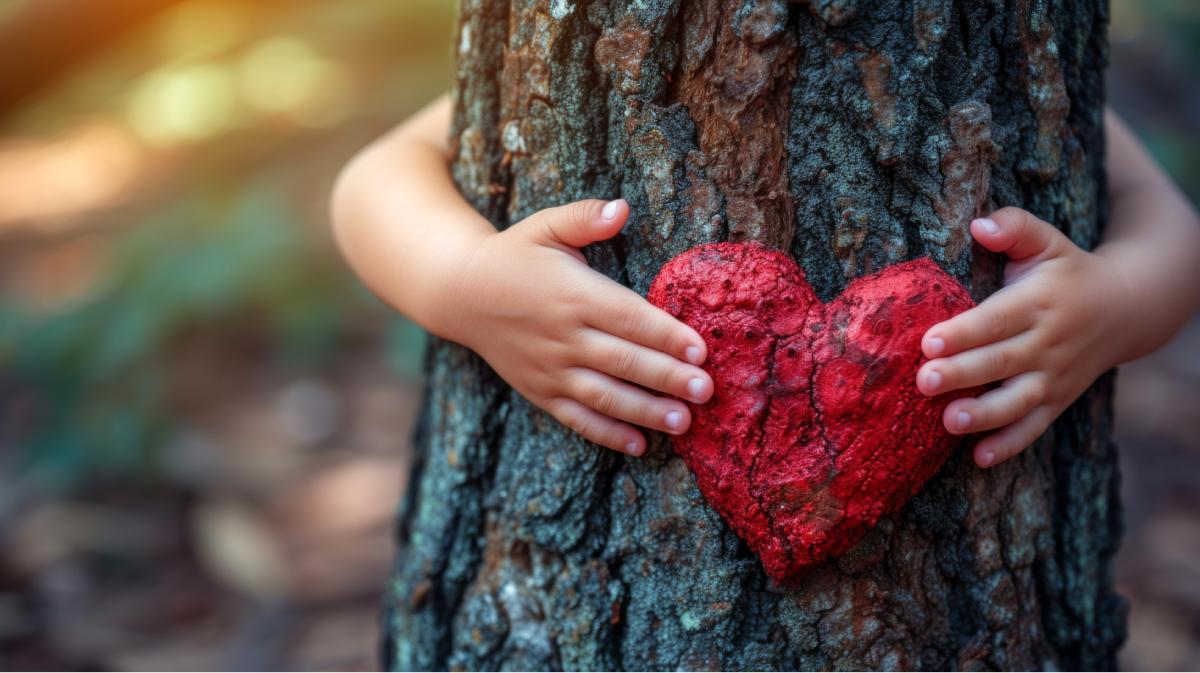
x=240 y=256
x=100 y=371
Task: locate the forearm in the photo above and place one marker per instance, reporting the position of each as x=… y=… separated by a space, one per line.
x=1153 y=240
x=400 y=221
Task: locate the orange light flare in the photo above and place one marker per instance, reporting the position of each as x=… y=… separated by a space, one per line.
x=46 y=185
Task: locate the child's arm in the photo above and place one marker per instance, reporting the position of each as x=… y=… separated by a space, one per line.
x=569 y=339
x=1065 y=316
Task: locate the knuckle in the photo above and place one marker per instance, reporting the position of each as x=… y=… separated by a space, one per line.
x=1026 y=401
x=1010 y=446
x=1008 y=212
x=667 y=377
x=576 y=296
x=572 y=421
x=559 y=409
x=575 y=422
x=573 y=340
x=606 y=431
x=580 y=212
x=996 y=324
x=1037 y=429
x=543 y=223
x=1035 y=394
x=1041 y=301
x=582 y=426
x=535 y=391
x=630 y=319
x=572 y=383
x=654 y=412
x=1018 y=216
x=546 y=387
x=1051 y=344
x=604 y=400
x=625 y=362
x=999 y=361
x=987 y=415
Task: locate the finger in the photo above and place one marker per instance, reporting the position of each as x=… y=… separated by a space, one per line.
x=624 y=313
x=596 y=427
x=1002 y=315
x=646 y=367
x=1017 y=233
x=1009 y=403
x=975 y=367
x=575 y=225
x=626 y=402
x=1000 y=446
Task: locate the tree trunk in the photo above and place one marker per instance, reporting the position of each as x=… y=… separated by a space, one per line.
x=854 y=135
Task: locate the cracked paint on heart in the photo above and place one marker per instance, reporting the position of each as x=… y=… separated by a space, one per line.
x=816 y=428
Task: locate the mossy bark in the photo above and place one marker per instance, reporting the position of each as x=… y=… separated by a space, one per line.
x=853 y=135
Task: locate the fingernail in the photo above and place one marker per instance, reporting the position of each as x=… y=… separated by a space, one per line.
x=631 y=448
x=693 y=354
x=989 y=225
x=963 y=419
x=987 y=458
x=610 y=210
x=933 y=380
x=696 y=387
x=936 y=345
x=674 y=420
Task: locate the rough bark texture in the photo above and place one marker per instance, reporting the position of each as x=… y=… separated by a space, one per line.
x=852 y=135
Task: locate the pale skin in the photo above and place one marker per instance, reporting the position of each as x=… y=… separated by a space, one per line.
x=605 y=362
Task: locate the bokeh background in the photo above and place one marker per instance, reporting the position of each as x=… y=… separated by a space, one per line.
x=204 y=420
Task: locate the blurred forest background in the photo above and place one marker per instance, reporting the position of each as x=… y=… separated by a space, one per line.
x=204 y=420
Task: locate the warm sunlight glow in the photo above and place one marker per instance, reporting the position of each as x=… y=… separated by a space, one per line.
x=285 y=75
x=184 y=102
x=197 y=30
x=90 y=168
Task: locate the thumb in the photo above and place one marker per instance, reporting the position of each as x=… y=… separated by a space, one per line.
x=578 y=224
x=1018 y=234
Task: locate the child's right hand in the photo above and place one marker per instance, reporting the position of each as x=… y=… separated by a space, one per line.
x=570 y=339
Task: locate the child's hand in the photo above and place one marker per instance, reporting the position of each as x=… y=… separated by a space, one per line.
x=568 y=338
x=1048 y=334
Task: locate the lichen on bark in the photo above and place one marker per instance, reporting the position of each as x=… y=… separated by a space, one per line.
x=852 y=135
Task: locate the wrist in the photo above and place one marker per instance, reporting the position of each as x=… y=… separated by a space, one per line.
x=450 y=285
x=1132 y=321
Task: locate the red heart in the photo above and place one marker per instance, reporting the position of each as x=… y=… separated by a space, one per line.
x=817 y=428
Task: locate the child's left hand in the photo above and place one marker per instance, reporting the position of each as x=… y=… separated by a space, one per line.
x=1047 y=335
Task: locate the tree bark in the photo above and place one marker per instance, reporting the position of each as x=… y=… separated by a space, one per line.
x=854 y=135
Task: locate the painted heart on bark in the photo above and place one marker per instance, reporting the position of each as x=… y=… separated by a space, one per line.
x=816 y=428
